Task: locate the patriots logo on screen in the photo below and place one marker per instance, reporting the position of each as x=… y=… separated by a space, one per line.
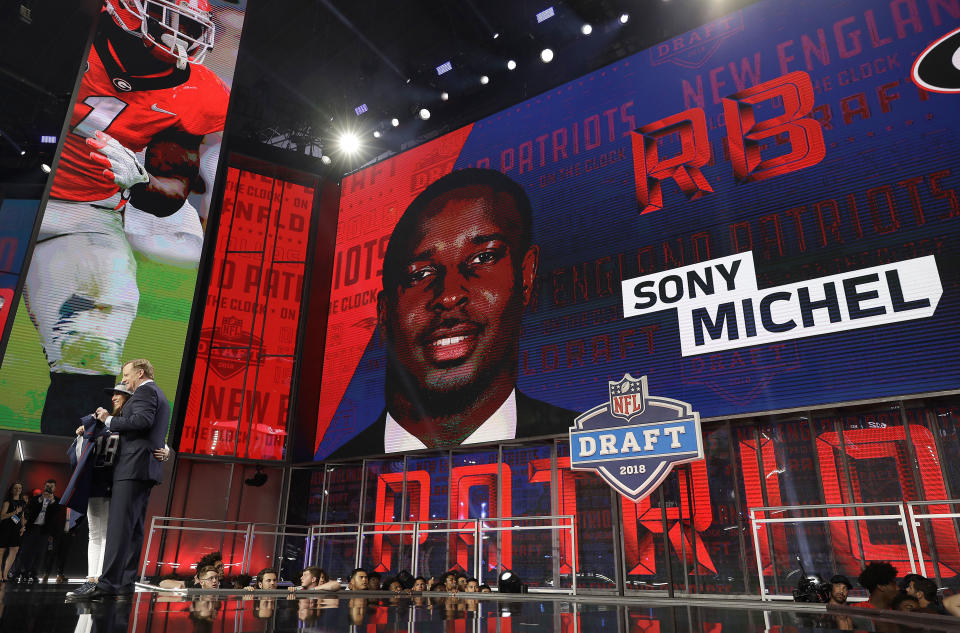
x=633 y=440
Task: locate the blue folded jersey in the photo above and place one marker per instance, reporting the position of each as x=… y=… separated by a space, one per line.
x=92 y=456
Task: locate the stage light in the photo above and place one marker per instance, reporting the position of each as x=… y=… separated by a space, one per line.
x=349 y=143
x=424 y=114
x=50 y=140
x=445 y=67
x=496 y=35
x=484 y=80
x=360 y=109
x=325 y=159
x=377 y=134
x=511 y=65
x=394 y=122
x=624 y=18
x=545 y=15
x=444 y=96
x=509 y=582
x=546 y=56
x=586 y=29
x=45 y=167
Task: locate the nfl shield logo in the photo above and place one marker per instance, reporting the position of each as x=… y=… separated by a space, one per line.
x=627 y=396
x=633 y=440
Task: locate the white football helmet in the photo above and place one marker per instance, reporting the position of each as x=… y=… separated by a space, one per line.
x=180 y=29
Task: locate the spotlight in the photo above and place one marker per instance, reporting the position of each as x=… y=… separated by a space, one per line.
x=23 y=152
x=586 y=29
x=509 y=582
x=424 y=114
x=511 y=65
x=45 y=167
x=325 y=159
x=444 y=96
x=484 y=80
x=377 y=134
x=546 y=55
x=360 y=109
x=349 y=143
x=496 y=35
x=445 y=67
x=545 y=15
x=258 y=479
x=624 y=18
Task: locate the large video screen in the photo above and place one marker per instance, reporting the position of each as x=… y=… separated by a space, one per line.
x=759 y=214
x=113 y=270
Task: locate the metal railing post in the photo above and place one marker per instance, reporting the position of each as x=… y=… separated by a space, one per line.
x=146 y=555
x=573 y=558
x=756 y=547
x=907 y=539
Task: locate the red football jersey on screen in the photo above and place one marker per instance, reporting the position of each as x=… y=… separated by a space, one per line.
x=133 y=111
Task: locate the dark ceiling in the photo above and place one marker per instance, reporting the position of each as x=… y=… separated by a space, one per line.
x=304 y=66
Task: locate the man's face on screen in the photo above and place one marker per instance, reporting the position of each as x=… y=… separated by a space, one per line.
x=454 y=319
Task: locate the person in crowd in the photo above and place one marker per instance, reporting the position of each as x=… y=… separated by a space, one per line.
x=461 y=582
x=315 y=578
x=840 y=587
x=359 y=580
x=213 y=559
x=394 y=585
x=951 y=604
x=458 y=273
x=472 y=585
x=240 y=581
x=925 y=591
x=266 y=579
x=44 y=519
x=485 y=589
x=437 y=586
x=880 y=580
x=419 y=583
x=142 y=425
x=903 y=601
x=373 y=581
x=208 y=578
x=11 y=527
x=450 y=582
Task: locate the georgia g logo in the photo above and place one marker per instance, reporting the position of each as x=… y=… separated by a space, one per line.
x=937 y=69
x=633 y=440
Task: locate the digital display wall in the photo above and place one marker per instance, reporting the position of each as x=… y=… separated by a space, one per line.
x=759 y=214
x=240 y=391
x=17 y=218
x=113 y=271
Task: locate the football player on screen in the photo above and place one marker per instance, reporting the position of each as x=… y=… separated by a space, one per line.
x=143 y=88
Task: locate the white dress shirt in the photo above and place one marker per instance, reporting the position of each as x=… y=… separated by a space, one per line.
x=502 y=425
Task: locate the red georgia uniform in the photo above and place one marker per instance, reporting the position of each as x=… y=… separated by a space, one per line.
x=134 y=117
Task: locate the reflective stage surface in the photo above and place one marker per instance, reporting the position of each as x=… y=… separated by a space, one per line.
x=42 y=609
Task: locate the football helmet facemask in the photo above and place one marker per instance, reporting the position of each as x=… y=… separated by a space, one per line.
x=180 y=29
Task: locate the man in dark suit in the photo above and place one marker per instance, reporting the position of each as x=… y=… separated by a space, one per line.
x=457 y=274
x=142 y=426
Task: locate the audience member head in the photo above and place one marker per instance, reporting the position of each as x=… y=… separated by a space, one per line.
x=310 y=577
x=14 y=492
x=49 y=486
x=461 y=582
x=880 y=579
x=323 y=577
x=840 y=587
x=419 y=583
x=214 y=559
x=373 y=581
x=359 y=580
x=450 y=581
x=924 y=590
x=394 y=585
x=485 y=588
x=267 y=578
x=472 y=585
x=903 y=601
x=207 y=578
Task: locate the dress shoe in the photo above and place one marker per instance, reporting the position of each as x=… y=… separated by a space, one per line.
x=89 y=591
x=82 y=590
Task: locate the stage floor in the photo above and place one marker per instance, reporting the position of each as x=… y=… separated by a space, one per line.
x=41 y=608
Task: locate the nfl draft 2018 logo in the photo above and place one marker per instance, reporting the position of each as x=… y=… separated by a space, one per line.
x=634 y=439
